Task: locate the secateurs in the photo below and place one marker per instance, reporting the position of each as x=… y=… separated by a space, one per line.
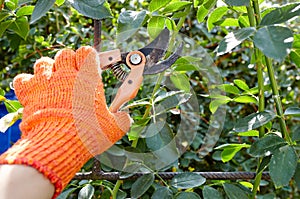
x=144 y=61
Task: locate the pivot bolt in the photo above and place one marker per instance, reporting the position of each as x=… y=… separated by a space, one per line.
x=135 y=59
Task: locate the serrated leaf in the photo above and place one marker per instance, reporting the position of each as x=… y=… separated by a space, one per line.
x=293 y=111
x=180 y=81
x=215 y=16
x=245 y=99
x=234 y=192
x=4 y=25
x=157 y=4
x=25 y=10
x=269 y=143
x=128 y=24
x=187 y=195
x=155 y=25
x=86 y=192
x=211 y=193
x=274 y=41
x=281 y=14
x=187 y=180
x=253 y=121
x=237 y=2
x=241 y=84
x=233 y=39
x=283 y=165
x=176 y=6
x=141 y=185
x=40 y=9
x=20 y=26
x=93 y=9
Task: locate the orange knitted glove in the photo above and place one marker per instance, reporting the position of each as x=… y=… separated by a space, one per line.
x=65 y=120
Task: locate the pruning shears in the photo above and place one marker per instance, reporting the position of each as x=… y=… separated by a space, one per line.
x=145 y=61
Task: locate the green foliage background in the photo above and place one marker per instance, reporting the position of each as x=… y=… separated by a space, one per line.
x=238 y=45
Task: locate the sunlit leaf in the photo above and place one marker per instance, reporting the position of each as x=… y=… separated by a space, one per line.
x=4 y=25
x=157 y=4
x=155 y=25
x=141 y=185
x=293 y=111
x=274 y=41
x=268 y=143
x=215 y=16
x=187 y=180
x=25 y=10
x=20 y=26
x=215 y=104
x=228 y=88
x=253 y=133
x=233 y=39
x=204 y=9
x=3 y=16
x=40 y=9
x=245 y=99
x=281 y=14
x=175 y=6
x=229 y=150
x=180 y=81
x=283 y=165
x=253 y=121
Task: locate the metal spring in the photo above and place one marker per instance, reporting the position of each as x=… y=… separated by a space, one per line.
x=119 y=72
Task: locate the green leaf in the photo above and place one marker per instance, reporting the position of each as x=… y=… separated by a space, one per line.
x=40 y=9
x=25 y=10
x=157 y=4
x=86 y=192
x=93 y=9
x=234 y=192
x=214 y=105
x=281 y=14
x=283 y=165
x=162 y=192
x=295 y=53
x=293 y=111
x=229 y=150
x=187 y=180
x=128 y=24
x=59 y=2
x=245 y=99
x=274 y=41
x=141 y=185
x=215 y=16
x=4 y=25
x=12 y=105
x=253 y=121
x=253 y=133
x=241 y=84
x=176 y=6
x=237 y=2
x=269 y=143
x=180 y=81
x=228 y=88
x=187 y=195
x=4 y=15
x=20 y=26
x=297 y=176
x=233 y=39
x=155 y=25
x=211 y=193
x=65 y=194
x=204 y=9
x=229 y=22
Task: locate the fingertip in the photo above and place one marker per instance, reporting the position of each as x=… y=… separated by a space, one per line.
x=44 y=67
x=123 y=121
x=86 y=55
x=64 y=59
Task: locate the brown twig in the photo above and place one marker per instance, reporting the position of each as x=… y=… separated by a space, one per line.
x=97 y=34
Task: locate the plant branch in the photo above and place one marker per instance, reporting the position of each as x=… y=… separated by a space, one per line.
x=1 y=5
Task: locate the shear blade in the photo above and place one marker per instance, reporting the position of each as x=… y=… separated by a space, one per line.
x=165 y=64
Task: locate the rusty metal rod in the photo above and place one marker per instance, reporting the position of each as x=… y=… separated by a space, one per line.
x=169 y=175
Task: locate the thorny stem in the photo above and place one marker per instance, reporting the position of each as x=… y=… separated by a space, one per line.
x=161 y=75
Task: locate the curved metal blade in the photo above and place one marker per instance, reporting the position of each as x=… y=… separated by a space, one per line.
x=165 y=64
